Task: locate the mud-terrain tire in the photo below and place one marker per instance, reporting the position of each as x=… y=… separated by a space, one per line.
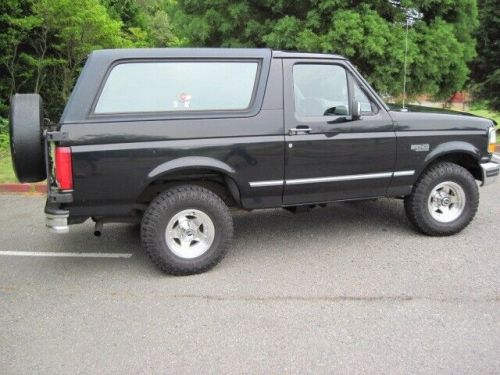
x=186 y=230
x=443 y=201
x=26 y=141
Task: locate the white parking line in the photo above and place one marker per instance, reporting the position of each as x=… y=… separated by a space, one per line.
x=70 y=255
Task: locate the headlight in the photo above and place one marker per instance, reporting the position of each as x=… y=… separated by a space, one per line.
x=492 y=140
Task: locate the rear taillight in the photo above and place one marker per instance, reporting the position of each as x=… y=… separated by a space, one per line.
x=64 y=168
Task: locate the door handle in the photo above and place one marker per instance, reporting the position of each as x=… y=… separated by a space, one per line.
x=301 y=129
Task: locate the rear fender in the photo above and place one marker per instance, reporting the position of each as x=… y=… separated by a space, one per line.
x=189 y=162
x=195 y=163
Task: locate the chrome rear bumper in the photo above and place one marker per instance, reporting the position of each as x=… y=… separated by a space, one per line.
x=490 y=172
x=57 y=223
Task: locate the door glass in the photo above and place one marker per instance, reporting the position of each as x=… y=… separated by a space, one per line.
x=320 y=90
x=367 y=107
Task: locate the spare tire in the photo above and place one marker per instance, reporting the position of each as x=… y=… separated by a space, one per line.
x=26 y=139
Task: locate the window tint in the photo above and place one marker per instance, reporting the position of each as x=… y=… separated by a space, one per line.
x=320 y=90
x=178 y=86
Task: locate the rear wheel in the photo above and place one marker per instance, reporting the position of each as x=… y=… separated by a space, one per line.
x=26 y=140
x=444 y=200
x=186 y=230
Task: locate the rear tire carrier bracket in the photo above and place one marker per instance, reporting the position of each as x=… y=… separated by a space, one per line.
x=56 y=136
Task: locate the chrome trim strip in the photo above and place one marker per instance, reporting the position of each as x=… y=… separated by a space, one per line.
x=413 y=133
x=403 y=173
x=266 y=183
x=316 y=180
x=338 y=178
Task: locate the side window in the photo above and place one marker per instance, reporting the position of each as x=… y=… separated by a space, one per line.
x=320 y=90
x=178 y=86
x=367 y=107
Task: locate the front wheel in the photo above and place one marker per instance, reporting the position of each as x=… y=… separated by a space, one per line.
x=186 y=230
x=443 y=201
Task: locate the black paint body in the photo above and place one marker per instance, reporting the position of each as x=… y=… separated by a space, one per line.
x=117 y=157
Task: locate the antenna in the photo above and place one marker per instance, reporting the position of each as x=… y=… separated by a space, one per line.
x=404 y=67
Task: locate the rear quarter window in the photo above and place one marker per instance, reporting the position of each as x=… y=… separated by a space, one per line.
x=139 y=87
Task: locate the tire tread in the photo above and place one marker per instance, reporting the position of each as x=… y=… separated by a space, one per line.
x=165 y=201
x=416 y=202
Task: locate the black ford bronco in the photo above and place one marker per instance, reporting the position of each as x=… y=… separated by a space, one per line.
x=172 y=138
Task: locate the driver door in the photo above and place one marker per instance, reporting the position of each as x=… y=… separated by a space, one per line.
x=329 y=154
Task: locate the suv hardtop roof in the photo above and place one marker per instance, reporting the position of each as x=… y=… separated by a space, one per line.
x=127 y=53
x=305 y=55
x=80 y=103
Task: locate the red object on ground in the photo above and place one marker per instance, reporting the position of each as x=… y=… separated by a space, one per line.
x=15 y=188
x=458 y=97
x=23 y=188
x=41 y=188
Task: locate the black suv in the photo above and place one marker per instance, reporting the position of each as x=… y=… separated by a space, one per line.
x=172 y=138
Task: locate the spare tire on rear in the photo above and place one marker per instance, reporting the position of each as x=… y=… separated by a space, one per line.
x=26 y=139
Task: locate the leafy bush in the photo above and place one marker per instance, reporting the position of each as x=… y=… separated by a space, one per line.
x=4 y=136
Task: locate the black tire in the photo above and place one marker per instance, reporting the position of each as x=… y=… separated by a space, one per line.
x=161 y=211
x=416 y=204
x=26 y=140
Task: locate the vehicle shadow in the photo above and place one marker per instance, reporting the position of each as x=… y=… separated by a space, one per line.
x=256 y=233
x=335 y=219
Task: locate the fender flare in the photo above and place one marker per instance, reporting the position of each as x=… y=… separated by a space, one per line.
x=450 y=148
x=195 y=162
x=188 y=162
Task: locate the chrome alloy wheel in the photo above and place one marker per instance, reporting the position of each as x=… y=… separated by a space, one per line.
x=190 y=233
x=446 y=202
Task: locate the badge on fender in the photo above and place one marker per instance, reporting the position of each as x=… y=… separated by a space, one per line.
x=420 y=147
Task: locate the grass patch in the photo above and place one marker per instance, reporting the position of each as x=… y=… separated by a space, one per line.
x=483 y=112
x=486 y=113
x=6 y=172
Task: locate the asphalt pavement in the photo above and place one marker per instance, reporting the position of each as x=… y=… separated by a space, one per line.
x=350 y=288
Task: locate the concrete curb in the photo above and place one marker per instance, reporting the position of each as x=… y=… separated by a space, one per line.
x=23 y=188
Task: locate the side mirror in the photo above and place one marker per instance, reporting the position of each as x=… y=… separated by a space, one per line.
x=340 y=110
x=356 y=110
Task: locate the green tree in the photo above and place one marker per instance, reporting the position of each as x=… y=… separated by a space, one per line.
x=370 y=33
x=146 y=22
x=44 y=44
x=486 y=67
x=127 y=11
x=160 y=30
x=75 y=29
x=16 y=23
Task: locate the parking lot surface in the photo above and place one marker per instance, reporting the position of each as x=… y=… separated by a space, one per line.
x=350 y=288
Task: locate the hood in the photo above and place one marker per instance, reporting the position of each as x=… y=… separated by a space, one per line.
x=430 y=118
x=420 y=108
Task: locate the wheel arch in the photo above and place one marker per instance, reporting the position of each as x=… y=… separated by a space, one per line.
x=461 y=153
x=206 y=172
